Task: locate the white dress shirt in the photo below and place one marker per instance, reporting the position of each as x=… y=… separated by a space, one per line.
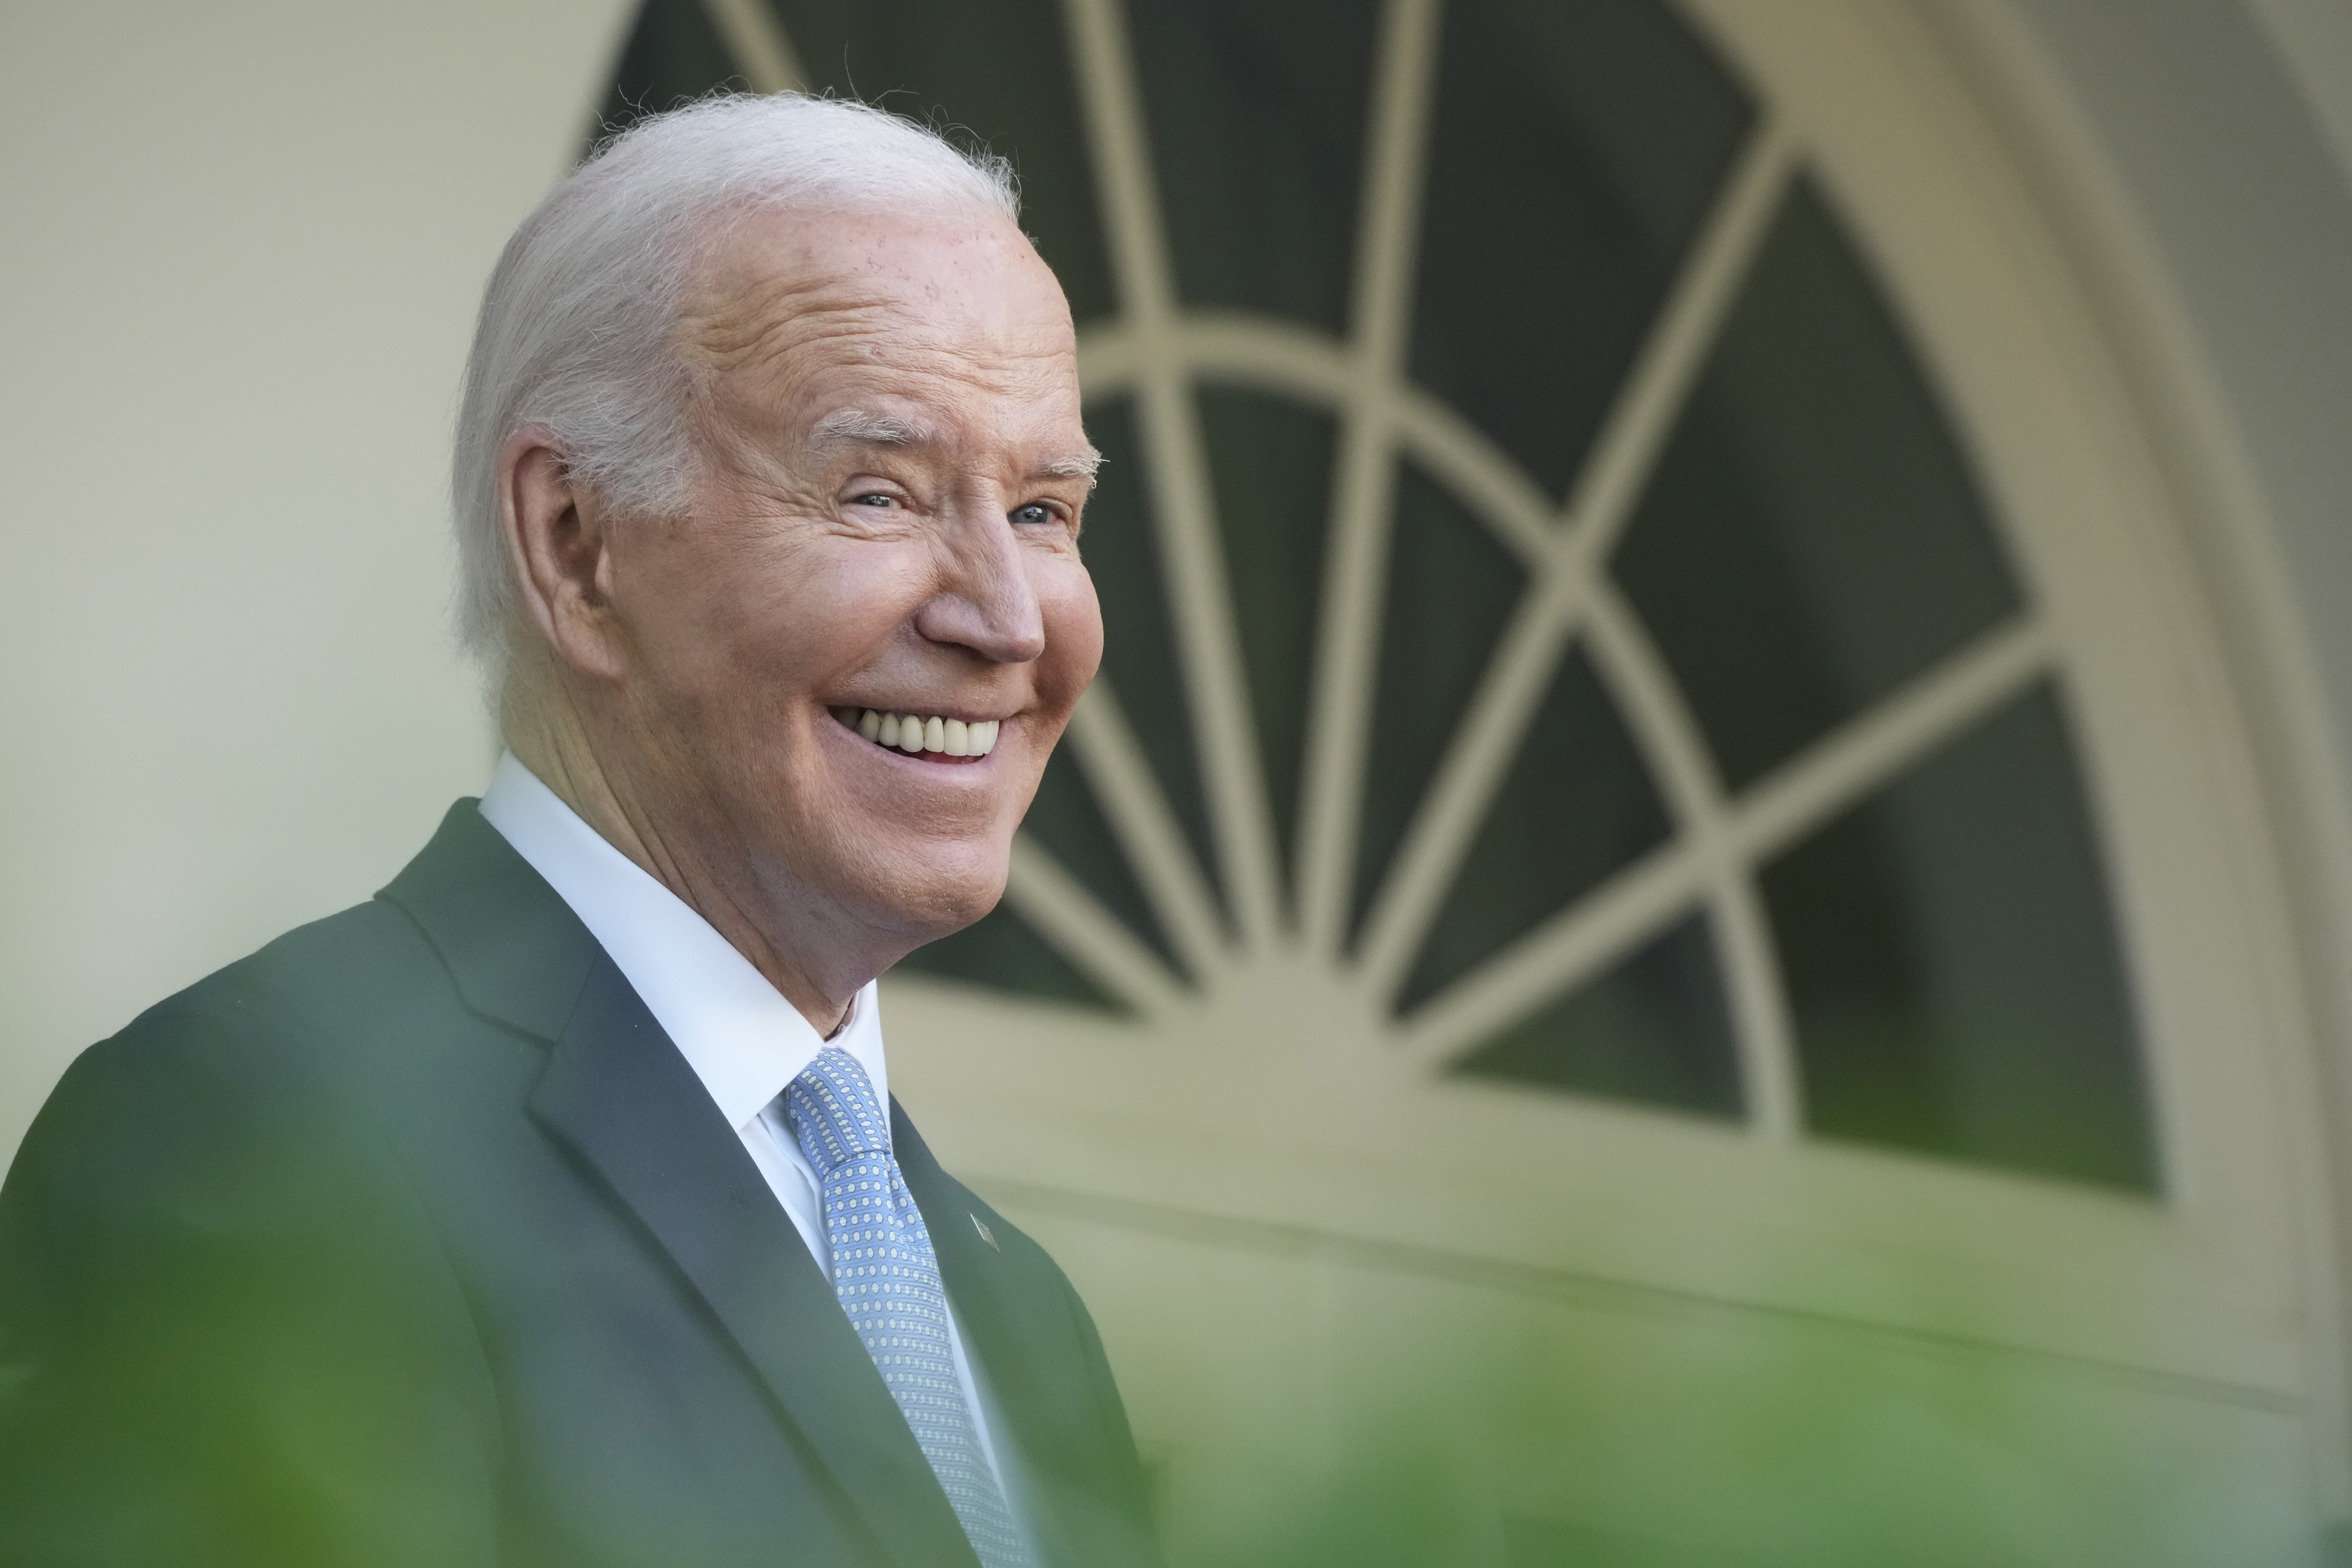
x=742 y=1039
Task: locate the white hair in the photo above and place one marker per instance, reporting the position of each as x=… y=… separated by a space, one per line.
x=576 y=333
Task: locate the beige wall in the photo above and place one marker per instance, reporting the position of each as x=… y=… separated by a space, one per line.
x=241 y=247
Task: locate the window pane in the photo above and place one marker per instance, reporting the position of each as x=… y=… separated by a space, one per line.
x=1812 y=536
x=997 y=73
x=1272 y=463
x=1451 y=588
x=1257 y=115
x=1140 y=659
x=1576 y=806
x=1002 y=952
x=673 y=54
x=1576 y=147
x=1653 y=1029
x=1065 y=818
x=1953 y=969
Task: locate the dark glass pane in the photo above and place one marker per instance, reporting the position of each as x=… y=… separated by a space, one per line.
x=674 y=54
x=1953 y=969
x=1140 y=659
x=1271 y=459
x=1576 y=806
x=1257 y=115
x=1576 y=148
x=1812 y=536
x=1066 y=819
x=1653 y=1029
x=1451 y=588
x=1002 y=952
x=997 y=74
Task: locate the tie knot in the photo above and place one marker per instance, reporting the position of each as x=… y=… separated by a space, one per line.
x=831 y=1108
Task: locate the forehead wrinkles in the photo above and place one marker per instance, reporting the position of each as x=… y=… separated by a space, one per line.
x=787 y=335
x=803 y=373
x=823 y=359
x=750 y=302
x=744 y=321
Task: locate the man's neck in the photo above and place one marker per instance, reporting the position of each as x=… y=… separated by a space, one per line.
x=551 y=738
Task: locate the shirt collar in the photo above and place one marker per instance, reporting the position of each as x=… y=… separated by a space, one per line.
x=742 y=1039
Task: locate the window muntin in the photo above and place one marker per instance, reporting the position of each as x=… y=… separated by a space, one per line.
x=1954 y=987
x=1655 y=1030
x=1257 y=111
x=1812 y=536
x=1270 y=460
x=1574 y=152
x=1451 y=586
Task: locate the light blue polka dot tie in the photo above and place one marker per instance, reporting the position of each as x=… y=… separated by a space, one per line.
x=888 y=1278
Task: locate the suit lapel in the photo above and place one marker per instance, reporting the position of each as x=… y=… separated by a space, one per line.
x=618 y=1093
x=514 y=950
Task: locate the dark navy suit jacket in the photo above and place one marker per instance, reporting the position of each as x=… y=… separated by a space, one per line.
x=411 y=1239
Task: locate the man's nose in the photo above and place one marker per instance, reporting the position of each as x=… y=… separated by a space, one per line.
x=986 y=601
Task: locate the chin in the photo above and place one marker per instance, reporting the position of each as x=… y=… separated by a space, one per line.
x=951 y=897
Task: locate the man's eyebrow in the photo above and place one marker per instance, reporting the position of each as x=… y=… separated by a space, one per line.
x=1075 y=466
x=859 y=428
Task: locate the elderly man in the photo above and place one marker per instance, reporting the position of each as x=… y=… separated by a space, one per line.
x=552 y=1207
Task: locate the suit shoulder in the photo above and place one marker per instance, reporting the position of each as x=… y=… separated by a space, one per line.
x=349 y=973
x=262 y=1035
x=314 y=972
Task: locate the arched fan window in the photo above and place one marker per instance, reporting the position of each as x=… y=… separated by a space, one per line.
x=1548 y=603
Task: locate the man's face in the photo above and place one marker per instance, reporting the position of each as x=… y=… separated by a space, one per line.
x=889 y=520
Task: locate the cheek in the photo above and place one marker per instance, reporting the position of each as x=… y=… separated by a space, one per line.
x=771 y=627
x=1073 y=632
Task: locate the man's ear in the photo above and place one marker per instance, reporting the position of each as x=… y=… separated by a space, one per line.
x=559 y=544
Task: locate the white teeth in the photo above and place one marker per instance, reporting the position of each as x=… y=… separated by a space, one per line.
x=949 y=737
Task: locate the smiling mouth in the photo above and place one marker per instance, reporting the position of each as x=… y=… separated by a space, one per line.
x=934 y=739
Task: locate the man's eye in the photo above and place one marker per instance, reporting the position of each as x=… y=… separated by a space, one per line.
x=1034 y=513
x=874 y=498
